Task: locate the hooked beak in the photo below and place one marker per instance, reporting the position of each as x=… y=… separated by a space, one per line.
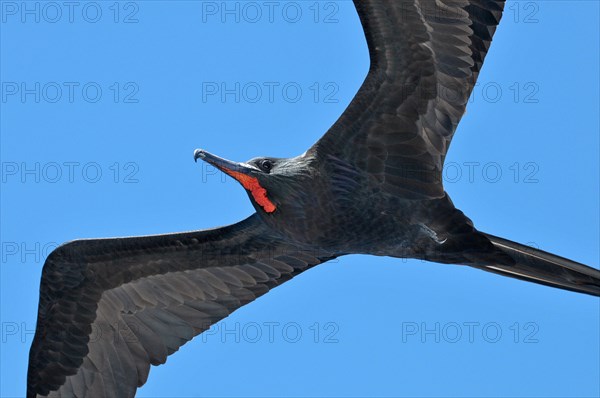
x=222 y=164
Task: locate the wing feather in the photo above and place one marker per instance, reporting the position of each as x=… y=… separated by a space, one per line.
x=111 y=308
x=425 y=59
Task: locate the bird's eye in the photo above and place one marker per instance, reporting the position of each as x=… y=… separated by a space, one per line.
x=266 y=165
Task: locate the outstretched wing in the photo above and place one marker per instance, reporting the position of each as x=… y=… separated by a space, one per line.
x=110 y=308
x=425 y=59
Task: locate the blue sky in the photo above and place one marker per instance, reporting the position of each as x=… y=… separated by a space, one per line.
x=101 y=113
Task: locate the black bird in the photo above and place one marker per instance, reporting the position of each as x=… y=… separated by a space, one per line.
x=110 y=308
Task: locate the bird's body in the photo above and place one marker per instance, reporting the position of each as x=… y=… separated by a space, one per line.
x=332 y=206
x=371 y=185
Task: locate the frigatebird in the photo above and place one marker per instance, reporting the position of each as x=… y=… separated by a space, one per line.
x=371 y=185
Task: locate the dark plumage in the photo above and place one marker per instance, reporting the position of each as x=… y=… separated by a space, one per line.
x=372 y=184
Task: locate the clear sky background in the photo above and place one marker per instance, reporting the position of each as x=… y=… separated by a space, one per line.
x=109 y=142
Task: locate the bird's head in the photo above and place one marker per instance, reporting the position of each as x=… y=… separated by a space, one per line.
x=270 y=182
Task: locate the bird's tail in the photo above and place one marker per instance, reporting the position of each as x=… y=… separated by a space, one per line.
x=538 y=266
